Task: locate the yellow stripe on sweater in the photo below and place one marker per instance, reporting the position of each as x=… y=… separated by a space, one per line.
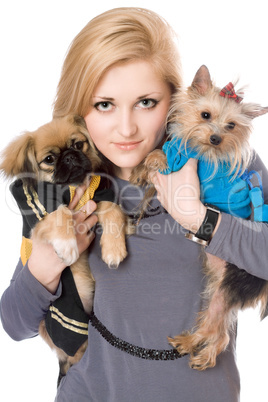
x=88 y=194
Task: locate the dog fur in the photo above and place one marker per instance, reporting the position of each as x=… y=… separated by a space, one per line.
x=199 y=116
x=62 y=152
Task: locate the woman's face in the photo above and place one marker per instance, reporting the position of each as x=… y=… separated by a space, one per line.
x=127 y=114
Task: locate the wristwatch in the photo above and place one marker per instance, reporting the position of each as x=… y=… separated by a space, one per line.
x=204 y=233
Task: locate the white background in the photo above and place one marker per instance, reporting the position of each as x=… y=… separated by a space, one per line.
x=230 y=37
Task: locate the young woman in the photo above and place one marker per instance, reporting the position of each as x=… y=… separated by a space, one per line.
x=120 y=74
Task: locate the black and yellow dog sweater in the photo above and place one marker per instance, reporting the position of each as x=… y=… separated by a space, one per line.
x=66 y=320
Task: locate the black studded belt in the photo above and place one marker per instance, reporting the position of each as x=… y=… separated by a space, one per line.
x=149 y=354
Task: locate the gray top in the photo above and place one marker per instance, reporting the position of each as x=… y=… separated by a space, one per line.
x=153 y=294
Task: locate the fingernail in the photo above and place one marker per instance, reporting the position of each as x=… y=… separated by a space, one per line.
x=92 y=205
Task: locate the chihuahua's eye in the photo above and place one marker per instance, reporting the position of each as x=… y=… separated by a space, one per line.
x=49 y=160
x=230 y=126
x=78 y=145
x=205 y=115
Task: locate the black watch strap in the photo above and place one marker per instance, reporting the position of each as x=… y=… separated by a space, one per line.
x=204 y=233
x=209 y=223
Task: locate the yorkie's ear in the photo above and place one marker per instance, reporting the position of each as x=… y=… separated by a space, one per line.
x=19 y=157
x=253 y=110
x=202 y=81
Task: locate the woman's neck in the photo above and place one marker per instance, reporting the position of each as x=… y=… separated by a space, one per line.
x=122 y=173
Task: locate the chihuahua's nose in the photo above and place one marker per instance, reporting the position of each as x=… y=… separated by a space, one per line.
x=215 y=139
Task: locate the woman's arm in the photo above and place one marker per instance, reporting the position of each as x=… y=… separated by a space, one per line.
x=241 y=242
x=36 y=285
x=24 y=304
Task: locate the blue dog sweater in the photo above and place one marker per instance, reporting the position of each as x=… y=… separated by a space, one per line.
x=231 y=194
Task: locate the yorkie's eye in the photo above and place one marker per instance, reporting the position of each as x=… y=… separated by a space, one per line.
x=49 y=160
x=205 y=115
x=230 y=126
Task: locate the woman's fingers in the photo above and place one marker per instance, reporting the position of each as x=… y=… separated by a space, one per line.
x=84 y=232
x=79 y=191
x=84 y=226
x=84 y=212
x=84 y=220
x=179 y=193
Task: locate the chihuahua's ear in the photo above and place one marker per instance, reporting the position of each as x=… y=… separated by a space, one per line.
x=19 y=156
x=202 y=82
x=253 y=110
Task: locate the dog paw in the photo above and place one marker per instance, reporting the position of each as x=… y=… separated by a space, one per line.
x=202 y=353
x=67 y=250
x=113 y=259
x=185 y=343
x=205 y=356
x=202 y=360
x=112 y=255
x=156 y=160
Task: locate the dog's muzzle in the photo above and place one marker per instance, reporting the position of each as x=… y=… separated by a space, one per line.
x=72 y=167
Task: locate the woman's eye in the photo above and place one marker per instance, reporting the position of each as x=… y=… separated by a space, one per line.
x=49 y=160
x=205 y=115
x=103 y=106
x=147 y=103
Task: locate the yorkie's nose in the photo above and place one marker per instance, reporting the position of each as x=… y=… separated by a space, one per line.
x=215 y=139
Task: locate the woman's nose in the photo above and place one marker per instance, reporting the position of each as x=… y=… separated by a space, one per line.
x=126 y=125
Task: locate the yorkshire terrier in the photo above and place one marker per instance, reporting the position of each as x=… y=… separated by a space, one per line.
x=214 y=126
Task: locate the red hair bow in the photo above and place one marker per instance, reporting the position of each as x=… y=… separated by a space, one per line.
x=229 y=92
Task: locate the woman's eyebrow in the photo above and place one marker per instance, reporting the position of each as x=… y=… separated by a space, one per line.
x=103 y=98
x=107 y=98
x=148 y=95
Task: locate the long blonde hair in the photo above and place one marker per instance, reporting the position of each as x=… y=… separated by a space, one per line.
x=117 y=36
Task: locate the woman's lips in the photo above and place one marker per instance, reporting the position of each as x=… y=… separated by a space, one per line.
x=127 y=146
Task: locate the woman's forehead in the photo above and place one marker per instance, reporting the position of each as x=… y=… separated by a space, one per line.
x=136 y=79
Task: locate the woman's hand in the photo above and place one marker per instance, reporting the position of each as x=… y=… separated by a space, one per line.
x=84 y=219
x=44 y=263
x=179 y=193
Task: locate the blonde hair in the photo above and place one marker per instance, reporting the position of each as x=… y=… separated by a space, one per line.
x=120 y=35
